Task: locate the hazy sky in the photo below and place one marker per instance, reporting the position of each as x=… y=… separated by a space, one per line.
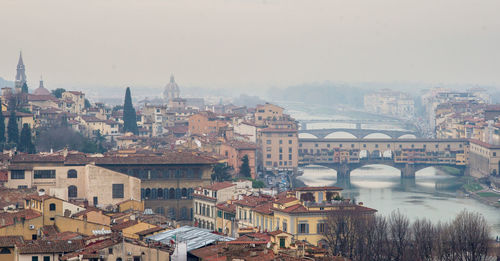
x=247 y=43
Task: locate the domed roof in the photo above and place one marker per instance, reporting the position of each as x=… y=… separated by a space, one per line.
x=172 y=85
x=171 y=90
x=41 y=90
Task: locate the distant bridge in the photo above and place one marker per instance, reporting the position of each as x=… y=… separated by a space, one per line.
x=357 y=133
x=407 y=155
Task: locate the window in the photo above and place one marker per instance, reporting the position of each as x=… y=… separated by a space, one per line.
x=45 y=174
x=46 y=258
x=34 y=258
x=52 y=207
x=303 y=228
x=321 y=228
x=285 y=228
x=4 y=251
x=268 y=141
x=494 y=154
x=95 y=201
x=110 y=250
x=281 y=141
x=72 y=174
x=17 y=174
x=268 y=156
x=117 y=190
x=72 y=191
x=219 y=213
x=289 y=141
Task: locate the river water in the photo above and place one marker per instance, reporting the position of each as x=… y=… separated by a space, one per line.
x=432 y=194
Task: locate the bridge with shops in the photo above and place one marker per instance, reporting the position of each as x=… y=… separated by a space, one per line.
x=357 y=133
x=407 y=155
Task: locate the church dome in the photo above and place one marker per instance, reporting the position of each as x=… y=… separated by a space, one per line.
x=172 y=90
x=41 y=90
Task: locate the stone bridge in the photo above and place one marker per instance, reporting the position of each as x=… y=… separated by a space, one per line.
x=407 y=155
x=357 y=133
x=408 y=170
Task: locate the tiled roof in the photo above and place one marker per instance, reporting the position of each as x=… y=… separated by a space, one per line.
x=7 y=218
x=252 y=201
x=10 y=241
x=219 y=185
x=124 y=225
x=149 y=231
x=285 y=200
x=264 y=208
x=230 y=208
x=50 y=246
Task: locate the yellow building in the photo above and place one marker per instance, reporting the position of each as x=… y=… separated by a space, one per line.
x=130 y=204
x=7 y=247
x=307 y=221
x=93 y=215
x=26 y=223
x=226 y=218
x=77 y=225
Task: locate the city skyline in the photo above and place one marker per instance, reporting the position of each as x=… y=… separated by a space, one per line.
x=255 y=44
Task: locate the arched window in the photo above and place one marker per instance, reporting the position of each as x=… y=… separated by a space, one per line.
x=171 y=193
x=153 y=194
x=184 y=192
x=160 y=210
x=4 y=251
x=177 y=193
x=72 y=191
x=52 y=207
x=72 y=174
x=184 y=213
x=171 y=213
x=160 y=193
x=119 y=259
x=165 y=193
x=190 y=193
x=147 y=194
x=142 y=193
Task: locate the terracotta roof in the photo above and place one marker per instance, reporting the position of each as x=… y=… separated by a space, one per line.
x=124 y=225
x=318 y=188
x=37 y=158
x=264 y=208
x=241 y=145
x=285 y=200
x=277 y=130
x=38 y=197
x=10 y=241
x=219 y=185
x=4 y=175
x=230 y=208
x=7 y=218
x=84 y=212
x=50 y=246
x=252 y=201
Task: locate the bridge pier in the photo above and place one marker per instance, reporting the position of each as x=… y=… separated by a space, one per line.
x=408 y=171
x=343 y=171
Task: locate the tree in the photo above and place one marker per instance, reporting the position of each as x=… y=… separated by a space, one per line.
x=2 y=127
x=220 y=172
x=129 y=116
x=12 y=128
x=245 y=167
x=24 y=88
x=87 y=104
x=58 y=92
x=25 y=141
x=257 y=183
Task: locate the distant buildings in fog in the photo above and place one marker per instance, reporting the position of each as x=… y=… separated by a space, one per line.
x=390 y=102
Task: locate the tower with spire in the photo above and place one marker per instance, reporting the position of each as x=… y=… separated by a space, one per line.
x=172 y=90
x=20 y=75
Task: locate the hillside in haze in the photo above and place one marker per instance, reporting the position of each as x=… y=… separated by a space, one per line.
x=5 y=83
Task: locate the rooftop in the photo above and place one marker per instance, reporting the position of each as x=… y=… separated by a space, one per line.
x=193 y=236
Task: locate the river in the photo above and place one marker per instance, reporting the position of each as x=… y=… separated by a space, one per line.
x=432 y=195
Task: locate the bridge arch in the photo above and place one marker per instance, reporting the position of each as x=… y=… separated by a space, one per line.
x=377 y=135
x=340 y=135
x=306 y=135
x=407 y=136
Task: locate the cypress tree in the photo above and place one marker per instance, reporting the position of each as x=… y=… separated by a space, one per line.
x=129 y=117
x=24 y=88
x=12 y=129
x=245 y=167
x=25 y=142
x=2 y=127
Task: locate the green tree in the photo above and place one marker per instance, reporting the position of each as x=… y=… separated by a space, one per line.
x=245 y=167
x=24 y=88
x=25 y=141
x=2 y=127
x=58 y=92
x=12 y=129
x=129 y=116
x=220 y=172
x=87 y=104
x=257 y=183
